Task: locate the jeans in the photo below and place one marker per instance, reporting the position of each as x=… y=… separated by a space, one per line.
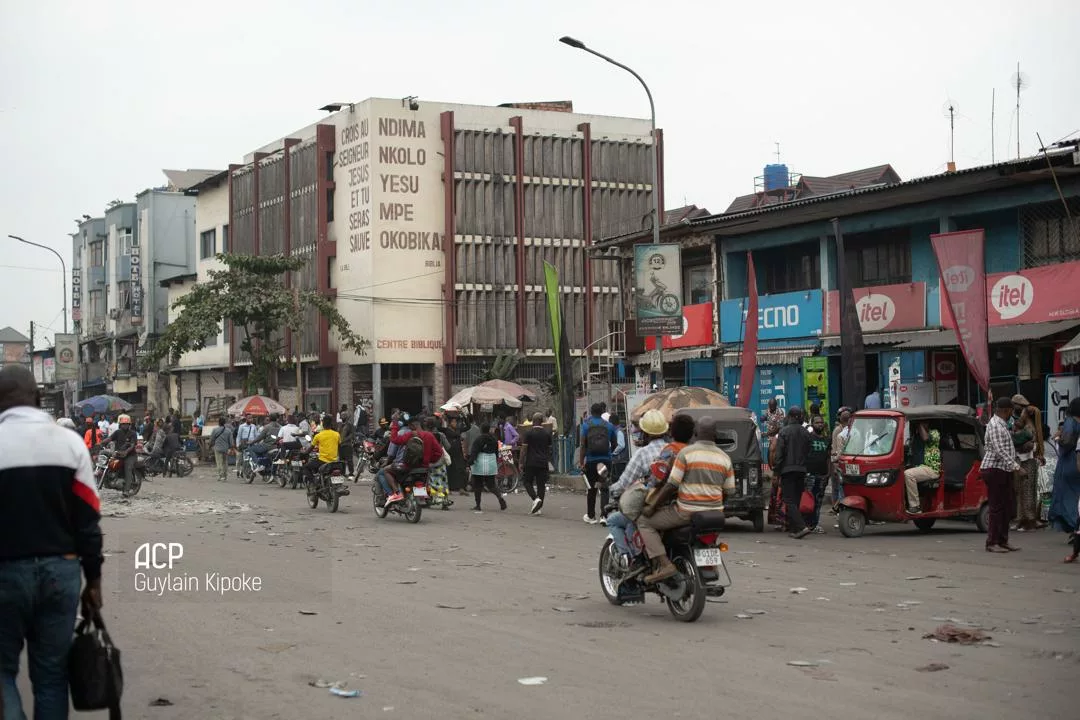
x=38 y=601
x=594 y=481
x=815 y=485
x=383 y=482
x=837 y=486
x=791 y=488
x=222 y=462
x=623 y=531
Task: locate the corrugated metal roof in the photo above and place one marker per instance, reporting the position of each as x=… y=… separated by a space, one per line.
x=1070 y=353
x=774 y=353
x=886 y=338
x=999 y=335
x=183 y=179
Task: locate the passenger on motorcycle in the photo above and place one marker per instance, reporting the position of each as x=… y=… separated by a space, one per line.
x=433 y=449
x=93 y=436
x=702 y=473
x=157 y=441
x=638 y=476
x=123 y=442
x=326 y=443
x=264 y=441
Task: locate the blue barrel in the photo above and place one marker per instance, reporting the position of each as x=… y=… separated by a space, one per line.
x=776 y=177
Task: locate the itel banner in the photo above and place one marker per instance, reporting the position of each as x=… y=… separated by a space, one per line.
x=697 y=329
x=884 y=308
x=946 y=374
x=136 y=285
x=1031 y=296
x=960 y=257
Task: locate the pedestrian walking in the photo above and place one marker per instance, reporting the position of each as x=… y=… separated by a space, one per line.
x=998 y=464
x=483 y=456
x=1028 y=441
x=1065 y=496
x=817 y=471
x=839 y=438
x=347 y=447
x=536 y=459
x=455 y=474
x=221 y=440
x=596 y=440
x=439 y=467
x=49 y=528
x=793 y=448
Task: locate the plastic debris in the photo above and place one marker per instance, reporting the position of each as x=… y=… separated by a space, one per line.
x=345 y=693
x=932 y=667
x=802 y=663
x=757 y=612
x=744 y=616
x=797 y=590
x=320 y=683
x=308 y=612
x=848 y=584
x=952 y=634
x=563 y=609
x=532 y=680
x=161 y=702
x=445 y=606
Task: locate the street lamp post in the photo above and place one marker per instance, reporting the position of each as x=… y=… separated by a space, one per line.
x=63 y=269
x=574 y=43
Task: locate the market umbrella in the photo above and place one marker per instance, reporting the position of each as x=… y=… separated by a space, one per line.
x=510 y=388
x=102 y=404
x=257 y=405
x=481 y=395
x=672 y=400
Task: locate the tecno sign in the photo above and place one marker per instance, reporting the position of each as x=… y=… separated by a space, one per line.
x=876 y=312
x=778 y=317
x=1012 y=296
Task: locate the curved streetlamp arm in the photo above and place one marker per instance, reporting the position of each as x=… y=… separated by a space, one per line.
x=63 y=268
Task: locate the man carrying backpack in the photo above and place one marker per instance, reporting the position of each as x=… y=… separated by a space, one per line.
x=596 y=440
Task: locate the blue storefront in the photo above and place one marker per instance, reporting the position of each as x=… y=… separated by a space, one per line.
x=789 y=329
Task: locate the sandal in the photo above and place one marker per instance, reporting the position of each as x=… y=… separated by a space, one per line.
x=996 y=549
x=1010 y=548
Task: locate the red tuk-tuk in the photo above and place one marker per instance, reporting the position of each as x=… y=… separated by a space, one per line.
x=881 y=444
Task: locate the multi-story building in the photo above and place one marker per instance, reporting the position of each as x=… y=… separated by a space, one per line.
x=118 y=304
x=429 y=224
x=1026 y=209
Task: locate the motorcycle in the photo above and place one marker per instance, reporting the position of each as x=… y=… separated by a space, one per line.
x=415 y=491
x=377 y=458
x=365 y=453
x=328 y=485
x=178 y=464
x=109 y=473
x=289 y=466
x=695 y=550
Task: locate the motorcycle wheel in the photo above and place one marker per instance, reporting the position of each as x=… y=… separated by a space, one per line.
x=333 y=501
x=610 y=574
x=372 y=466
x=378 y=501
x=412 y=510
x=248 y=473
x=283 y=472
x=690 y=607
x=183 y=465
x=313 y=499
x=132 y=489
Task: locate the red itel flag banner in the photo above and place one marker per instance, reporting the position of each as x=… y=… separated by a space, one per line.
x=750 y=330
x=963 y=277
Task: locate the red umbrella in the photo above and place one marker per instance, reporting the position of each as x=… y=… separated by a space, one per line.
x=257 y=405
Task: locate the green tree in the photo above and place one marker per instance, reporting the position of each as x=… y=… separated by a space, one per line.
x=250 y=292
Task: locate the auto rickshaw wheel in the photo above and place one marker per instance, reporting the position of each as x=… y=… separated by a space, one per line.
x=924 y=524
x=852 y=522
x=759 y=521
x=982 y=518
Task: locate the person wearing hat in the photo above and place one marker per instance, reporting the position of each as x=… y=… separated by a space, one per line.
x=1026 y=426
x=998 y=464
x=123 y=442
x=93 y=436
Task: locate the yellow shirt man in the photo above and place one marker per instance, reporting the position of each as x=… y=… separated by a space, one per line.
x=327 y=442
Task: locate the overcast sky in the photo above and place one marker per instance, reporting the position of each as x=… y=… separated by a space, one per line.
x=97 y=97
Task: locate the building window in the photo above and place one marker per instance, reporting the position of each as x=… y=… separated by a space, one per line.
x=879 y=258
x=224 y=238
x=790 y=268
x=124 y=241
x=697 y=285
x=212 y=340
x=97 y=254
x=123 y=294
x=329 y=205
x=97 y=303
x=1050 y=235
x=207 y=244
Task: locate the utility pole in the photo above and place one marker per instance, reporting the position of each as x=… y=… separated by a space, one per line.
x=296 y=346
x=31 y=337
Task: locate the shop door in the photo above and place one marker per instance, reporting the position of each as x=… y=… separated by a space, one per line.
x=701 y=373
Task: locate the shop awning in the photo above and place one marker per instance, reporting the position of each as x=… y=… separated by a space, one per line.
x=888 y=338
x=775 y=353
x=674 y=355
x=1070 y=353
x=999 y=335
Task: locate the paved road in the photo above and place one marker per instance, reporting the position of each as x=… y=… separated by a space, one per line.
x=523 y=600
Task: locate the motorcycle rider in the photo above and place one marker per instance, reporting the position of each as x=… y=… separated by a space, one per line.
x=123 y=442
x=156 y=446
x=93 y=435
x=326 y=443
x=433 y=454
x=265 y=441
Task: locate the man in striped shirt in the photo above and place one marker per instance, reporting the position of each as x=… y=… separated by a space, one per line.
x=698 y=480
x=998 y=464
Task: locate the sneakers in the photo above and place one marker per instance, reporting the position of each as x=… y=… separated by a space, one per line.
x=818 y=530
x=589 y=520
x=536 y=505
x=396 y=497
x=477 y=510
x=502 y=503
x=603 y=521
x=801 y=534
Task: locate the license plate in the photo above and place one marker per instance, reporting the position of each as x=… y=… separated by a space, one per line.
x=279 y=462
x=337 y=481
x=852 y=469
x=708 y=557
x=297 y=463
x=420 y=492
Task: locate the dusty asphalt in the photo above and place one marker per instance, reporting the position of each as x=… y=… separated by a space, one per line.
x=523 y=601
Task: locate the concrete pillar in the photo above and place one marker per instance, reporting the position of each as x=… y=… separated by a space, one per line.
x=376 y=391
x=946 y=224
x=344 y=387
x=439 y=384
x=826 y=270
x=1024 y=361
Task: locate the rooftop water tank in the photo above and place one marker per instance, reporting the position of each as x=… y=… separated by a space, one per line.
x=776 y=177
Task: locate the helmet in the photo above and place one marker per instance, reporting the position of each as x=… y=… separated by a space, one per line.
x=123 y=420
x=653 y=423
